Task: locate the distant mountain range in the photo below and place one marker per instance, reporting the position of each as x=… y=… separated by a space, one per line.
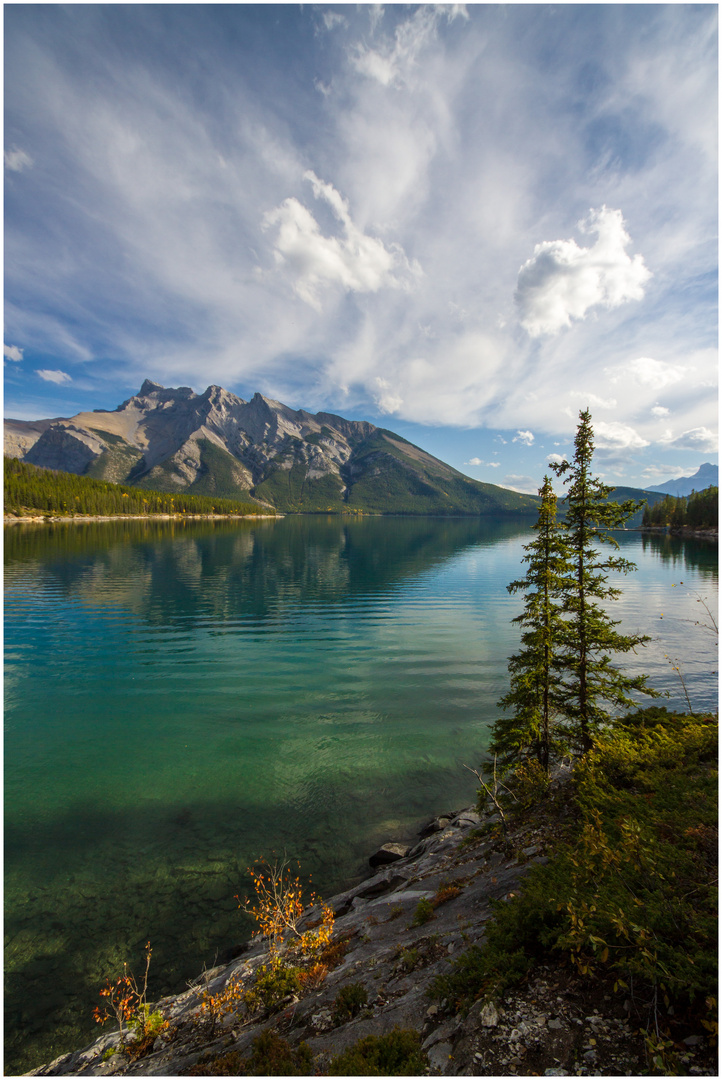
x=707 y=475
x=219 y=445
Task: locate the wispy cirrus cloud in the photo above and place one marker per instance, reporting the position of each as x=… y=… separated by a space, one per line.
x=17 y=160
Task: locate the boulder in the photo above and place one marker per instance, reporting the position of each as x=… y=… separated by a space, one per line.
x=388 y=853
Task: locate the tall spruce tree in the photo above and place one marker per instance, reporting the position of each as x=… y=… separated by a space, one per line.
x=588 y=639
x=534 y=697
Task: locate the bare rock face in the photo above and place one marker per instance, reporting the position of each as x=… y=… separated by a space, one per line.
x=66 y=448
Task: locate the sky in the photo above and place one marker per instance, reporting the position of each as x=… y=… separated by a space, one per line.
x=462 y=223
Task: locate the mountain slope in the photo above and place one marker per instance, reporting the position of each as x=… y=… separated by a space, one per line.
x=706 y=476
x=218 y=444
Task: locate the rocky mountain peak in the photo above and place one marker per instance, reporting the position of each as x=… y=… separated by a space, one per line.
x=149 y=387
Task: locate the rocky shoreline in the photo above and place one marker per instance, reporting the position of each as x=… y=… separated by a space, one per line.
x=79 y=519
x=553 y=1024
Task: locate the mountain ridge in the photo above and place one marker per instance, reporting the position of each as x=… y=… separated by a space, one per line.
x=216 y=443
x=706 y=476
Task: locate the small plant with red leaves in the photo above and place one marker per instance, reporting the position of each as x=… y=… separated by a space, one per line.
x=126 y=1001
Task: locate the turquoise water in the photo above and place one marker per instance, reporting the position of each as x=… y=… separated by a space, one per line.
x=182 y=699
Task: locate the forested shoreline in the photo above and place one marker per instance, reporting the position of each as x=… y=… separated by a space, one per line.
x=30 y=490
x=700 y=510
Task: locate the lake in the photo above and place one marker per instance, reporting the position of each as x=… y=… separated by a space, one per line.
x=181 y=699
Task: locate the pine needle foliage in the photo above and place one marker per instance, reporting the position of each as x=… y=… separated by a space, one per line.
x=592 y=685
x=535 y=697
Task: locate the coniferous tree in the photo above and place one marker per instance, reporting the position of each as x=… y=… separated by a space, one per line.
x=589 y=639
x=534 y=694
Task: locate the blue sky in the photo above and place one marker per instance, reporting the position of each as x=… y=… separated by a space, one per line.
x=461 y=223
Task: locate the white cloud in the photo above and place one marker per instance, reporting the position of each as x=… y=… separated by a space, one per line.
x=393 y=62
x=617 y=436
x=17 y=160
x=699 y=438
x=12 y=352
x=357 y=262
x=487 y=464
x=646 y=371
x=58 y=377
x=659 y=410
x=386 y=400
x=527 y=485
x=653 y=472
x=526 y=437
x=556 y=457
x=593 y=400
x=332 y=19
x=562 y=281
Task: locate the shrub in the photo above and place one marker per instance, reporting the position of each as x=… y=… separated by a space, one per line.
x=397 y=1054
x=333 y=953
x=274 y=982
x=279 y=907
x=529 y=782
x=423 y=913
x=272 y=1056
x=214 y=1006
x=634 y=888
x=446 y=891
x=349 y=1002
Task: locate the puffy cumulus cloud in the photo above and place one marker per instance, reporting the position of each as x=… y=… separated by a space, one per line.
x=526 y=437
x=12 y=352
x=646 y=371
x=659 y=411
x=562 y=281
x=394 y=60
x=17 y=160
x=617 y=436
x=57 y=377
x=558 y=458
x=486 y=464
x=699 y=438
x=355 y=261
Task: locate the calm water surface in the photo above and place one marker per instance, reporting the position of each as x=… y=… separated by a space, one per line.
x=182 y=699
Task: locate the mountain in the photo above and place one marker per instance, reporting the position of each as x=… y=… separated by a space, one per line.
x=707 y=475
x=217 y=444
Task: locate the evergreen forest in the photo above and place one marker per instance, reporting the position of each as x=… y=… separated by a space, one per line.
x=30 y=489
x=700 y=510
